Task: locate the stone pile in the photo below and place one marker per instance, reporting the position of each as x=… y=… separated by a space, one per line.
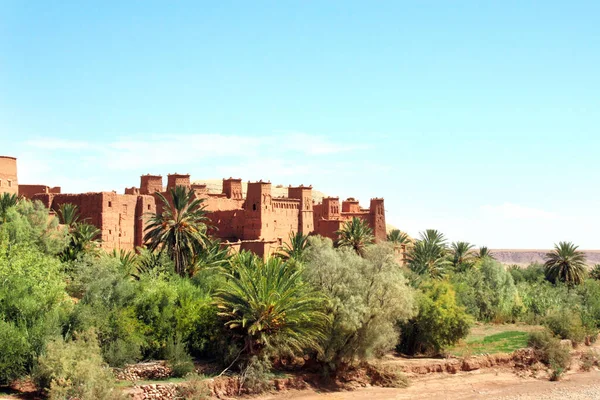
x=153 y=371
x=161 y=391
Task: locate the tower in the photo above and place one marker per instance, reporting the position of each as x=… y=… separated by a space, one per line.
x=150 y=184
x=233 y=188
x=8 y=175
x=377 y=213
x=259 y=210
x=174 y=180
x=305 y=217
x=331 y=208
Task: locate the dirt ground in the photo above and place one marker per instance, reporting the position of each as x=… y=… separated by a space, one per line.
x=484 y=384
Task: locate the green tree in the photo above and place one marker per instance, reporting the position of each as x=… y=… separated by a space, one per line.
x=440 y=322
x=397 y=237
x=462 y=255
x=368 y=296
x=84 y=240
x=294 y=250
x=7 y=201
x=565 y=264
x=355 y=234
x=484 y=253
x=268 y=307
x=428 y=256
x=68 y=214
x=595 y=272
x=180 y=228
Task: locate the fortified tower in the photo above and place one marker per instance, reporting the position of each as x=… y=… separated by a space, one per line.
x=331 y=207
x=377 y=211
x=306 y=223
x=8 y=175
x=233 y=188
x=150 y=184
x=174 y=180
x=259 y=210
x=350 y=205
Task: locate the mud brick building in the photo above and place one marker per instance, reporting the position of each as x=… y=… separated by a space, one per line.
x=258 y=222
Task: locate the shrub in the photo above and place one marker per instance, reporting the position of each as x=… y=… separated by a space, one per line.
x=566 y=324
x=368 y=296
x=440 y=322
x=255 y=377
x=75 y=370
x=195 y=388
x=14 y=352
x=178 y=359
x=550 y=351
x=588 y=360
x=595 y=272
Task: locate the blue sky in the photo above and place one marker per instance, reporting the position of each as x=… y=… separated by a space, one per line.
x=477 y=118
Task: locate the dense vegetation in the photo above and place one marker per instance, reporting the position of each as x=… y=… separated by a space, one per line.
x=68 y=309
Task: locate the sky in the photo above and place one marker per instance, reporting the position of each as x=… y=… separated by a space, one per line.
x=477 y=118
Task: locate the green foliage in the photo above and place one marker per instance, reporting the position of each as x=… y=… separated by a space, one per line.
x=84 y=240
x=367 y=297
x=33 y=305
x=180 y=229
x=355 y=234
x=14 y=352
x=503 y=342
x=178 y=358
x=588 y=360
x=7 y=201
x=567 y=325
x=195 y=388
x=551 y=352
x=295 y=249
x=68 y=214
x=75 y=369
x=484 y=253
x=256 y=375
x=565 y=264
x=440 y=322
x=268 y=308
x=462 y=256
x=428 y=256
x=534 y=272
x=489 y=293
x=397 y=237
x=595 y=272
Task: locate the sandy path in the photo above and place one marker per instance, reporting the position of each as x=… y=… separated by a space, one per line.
x=489 y=384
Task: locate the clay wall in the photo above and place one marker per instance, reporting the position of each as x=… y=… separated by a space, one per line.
x=28 y=191
x=150 y=184
x=145 y=205
x=8 y=175
x=132 y=190
x=331 y=208
x=174 y=180
x=350 y=205
x=260 y=248
x=232 y=188
x=284 y=220
x=229 y=224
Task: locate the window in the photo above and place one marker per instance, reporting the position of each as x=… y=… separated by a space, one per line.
x=0 y=182
x=9 y=183
x=110 y=203
x=254 y=207
x=148 y=206
x=110 y=232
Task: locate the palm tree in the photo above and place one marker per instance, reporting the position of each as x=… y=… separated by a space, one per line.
x=84 y=239
x=214 y=255
x=397 y=237
x=294 y=250
x=429 y=255
x=355 y=234
x=7 y=201
x=68 y=214
x=462 y=256
x=269 y=308
x=127 y=259
x=565 y=264
x=180 y=229
x=483 y=253
x=595 y=272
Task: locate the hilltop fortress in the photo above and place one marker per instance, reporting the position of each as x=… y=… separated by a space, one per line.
x=258 y=222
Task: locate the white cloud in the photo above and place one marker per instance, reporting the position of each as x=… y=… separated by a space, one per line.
x=515 y=211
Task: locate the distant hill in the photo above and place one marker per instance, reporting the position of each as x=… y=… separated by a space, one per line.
x=216 y=186
x=526 y=257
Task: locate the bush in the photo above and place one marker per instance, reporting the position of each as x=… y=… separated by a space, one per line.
x=588 y=360
x=550 y=351
x=566 y=324
x=194 y=388
x=75 y=370
x=178 y=359
x=439 y=323
x=14 y=352
x=368 y=296
x=255 y=377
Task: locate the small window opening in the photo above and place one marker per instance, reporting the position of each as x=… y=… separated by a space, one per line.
x=9 y=183
x=110 y=203
x=254 y=207
x=148 y=206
